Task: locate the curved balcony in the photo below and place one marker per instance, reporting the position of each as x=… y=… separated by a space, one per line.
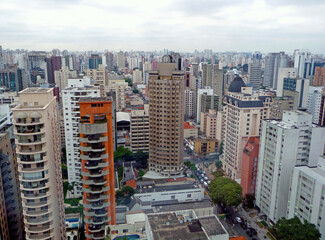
x=98 y=213
x=37 y=229
x=36 y=195
x=99 y=205
x=100 y=181
x=33 y=149
x=95 y=190
x=96 y=198
x=37 y=221
x=94 y=165
x=96 y=229
x=93 y=139
x=93 y=129
x=33 y=169
x=34 y=186
x=35 y=213
x=28 y=121
x=35 y=204
x=41 y=236
x=98 y=235
x=96 y=221
x=92 y=148
x=29 y=130
x=27 y=158
x=32 y=180
x=93 y=173
x=94 y=157
x=30 y=140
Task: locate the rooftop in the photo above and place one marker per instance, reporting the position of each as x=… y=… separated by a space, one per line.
x=188 y=126
x=35 y=90
x=95 y=99
x=165 y=188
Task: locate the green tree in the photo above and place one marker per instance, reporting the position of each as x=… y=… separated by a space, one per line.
x=127 y=190
x=294 y=229
x=120 y=171
x=122 y=153
x=64 y=171
x=187 y=163
x=226 y=191
x=142 y=158
x=135 y=91
x=141 y=173
x=249 y=200
x=218 y=164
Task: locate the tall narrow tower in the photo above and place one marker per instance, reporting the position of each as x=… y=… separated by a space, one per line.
x=166 y=121
x=97 y=159
x=39 y=163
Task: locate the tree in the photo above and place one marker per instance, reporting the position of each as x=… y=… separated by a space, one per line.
x=135 y=91
x=218 y=164
x=122 y=153
x=64 y=171
x=225 y=191
x=142 y=158
x=127 y=190
x=120 y=171
x=187 y=163
x=294 y=229
x=141 y=173
x=249 y=200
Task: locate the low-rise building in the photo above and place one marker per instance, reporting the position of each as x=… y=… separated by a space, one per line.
x=190 y=130
x=203 y=146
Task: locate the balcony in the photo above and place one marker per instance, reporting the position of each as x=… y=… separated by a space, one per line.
x=97 y=197
x=96 y=221
x=31 y=149
x=27 y=130
x=94 y=173
x=94 y=157
x=99 y=181
x=97 y=205
x=31 y=158
x=40 y=167
x=95 y=190
x=33 y=186
x=94 y=165
x=28 y=140
x=28 y=121
x=95 y=228
x=40 y=236
x=98 y=213
x=33 y=229
x=35 y=213
x=38 y=221
x=35 y=204
x=36 y=195
x=94 y=139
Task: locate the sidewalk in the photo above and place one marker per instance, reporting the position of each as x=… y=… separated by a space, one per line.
x=261 y=232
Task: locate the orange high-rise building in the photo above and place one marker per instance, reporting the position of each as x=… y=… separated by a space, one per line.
x=97 y=159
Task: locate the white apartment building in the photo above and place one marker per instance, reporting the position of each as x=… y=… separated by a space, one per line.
x=189 y=103
x=100 y=75
x=209 y=91
x=283 y=145
x=307 y=195
x=244 y=111
x=76 y=89
x=39 y=164
x=61 y=77
x=119 y=88
x=314 y=101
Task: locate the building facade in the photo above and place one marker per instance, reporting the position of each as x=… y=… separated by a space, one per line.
x=284 y=145
x=76 y=90
x=39 y=164
x=166 y=110
x=97 y=159
x=139 y=129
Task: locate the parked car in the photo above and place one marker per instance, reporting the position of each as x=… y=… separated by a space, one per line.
x=206 y=178
x=237 y=220
x=248 y=225
x=249 y=233
x=209 y=182
x=243 y=225
x=205 y=184
x=253 y=230
x=201 y=180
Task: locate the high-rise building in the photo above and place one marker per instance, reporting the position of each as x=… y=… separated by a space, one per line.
x=189 y=103
x=39 y=164
x=302 y=62
x=206 y=75
x=120 y=60
x=97 y=158
x=208 y=91
x=139 y=129
x=119 y=88
x=299 y=85
x=282 y=74
x=319 y=78
x=209 y=102
x=13 y=78
x=61 y=77
x=306 y=196
x=274 y=61
x=76 y=90
x=288 y=102
x=244 y=111
x=94 y=61
x=217 y=83
x=10 y=183
x=249 y=166
x=166 y=101
x=109 y=61
x=137 y=77
x=314 y=102
x=283 y=145
x=99 y=75
x=254 y=74
x=54 y=63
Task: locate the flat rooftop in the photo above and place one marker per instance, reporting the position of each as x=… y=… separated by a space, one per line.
x=35 y=90
x=95 y=99
x=166 y=188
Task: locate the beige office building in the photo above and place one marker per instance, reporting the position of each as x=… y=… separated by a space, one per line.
x=100 y=75
x=39 y=164
x=244 y=111
x=61 y=77
x=166 y=133
x=119 y=88
x=139 y=129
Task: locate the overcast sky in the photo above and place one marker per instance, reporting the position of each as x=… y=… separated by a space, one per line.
x=179 y=25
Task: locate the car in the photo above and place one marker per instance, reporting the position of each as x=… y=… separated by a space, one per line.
x=243 y=225
x=205 y=184
x=248 y=225
x=253 y=230
x=209 y=182
x=237 y=220
x=249 y=233
x=201 y=180
x=206 y=178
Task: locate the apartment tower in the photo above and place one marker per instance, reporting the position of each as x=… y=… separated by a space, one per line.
x=97 y=159
x=166 y=122
x=39 y=163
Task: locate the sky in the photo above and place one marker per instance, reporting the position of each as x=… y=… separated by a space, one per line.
x=179 y=25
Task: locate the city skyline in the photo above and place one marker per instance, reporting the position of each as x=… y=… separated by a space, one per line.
x=172 y=24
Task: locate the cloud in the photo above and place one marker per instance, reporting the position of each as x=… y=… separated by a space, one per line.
x=240 y=25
